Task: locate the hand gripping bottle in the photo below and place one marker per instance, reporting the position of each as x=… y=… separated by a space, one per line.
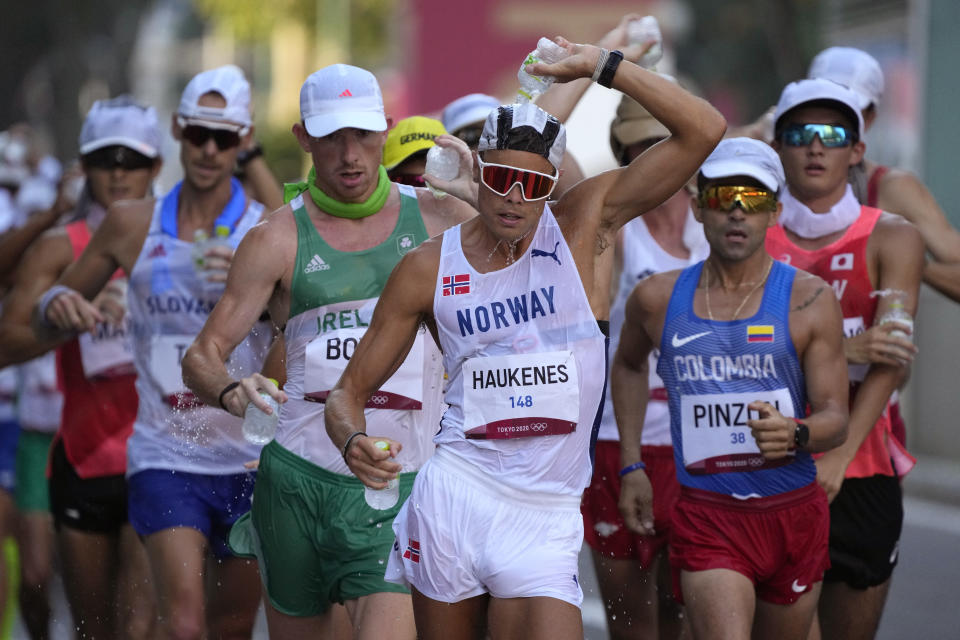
x=532 y=86
x=897 y=313
x=260 y=427
x=444 y=163
x=382 y=499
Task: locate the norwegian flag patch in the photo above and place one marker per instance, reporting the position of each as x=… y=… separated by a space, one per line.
x=413 y=551
x=456 y=285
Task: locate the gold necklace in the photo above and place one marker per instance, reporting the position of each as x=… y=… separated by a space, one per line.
x=706 y=285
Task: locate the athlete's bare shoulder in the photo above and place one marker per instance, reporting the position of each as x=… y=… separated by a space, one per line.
x=52 y=251
x=807 y=289
x=271 y=241
x=441 y=213
x=655 y=290
x=893 y=233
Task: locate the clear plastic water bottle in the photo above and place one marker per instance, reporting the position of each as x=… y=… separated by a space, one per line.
x=899 y=314
x=642 y=31
x=221 y=238
x=198 y=253
x=382 y=499
x=444 y=163
x=532 y=86
x=260 y=427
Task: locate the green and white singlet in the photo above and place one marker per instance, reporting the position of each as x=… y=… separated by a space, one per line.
x=332 y=297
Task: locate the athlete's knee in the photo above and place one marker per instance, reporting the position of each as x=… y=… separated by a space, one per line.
x=184 y=620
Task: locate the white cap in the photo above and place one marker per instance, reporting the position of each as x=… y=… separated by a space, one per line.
x=745 y=157
x=470 y=109
x=341 y=96
x=853 y=68
x=121 y=121
x=524 y=127
x=801 y=92
x=230 y=83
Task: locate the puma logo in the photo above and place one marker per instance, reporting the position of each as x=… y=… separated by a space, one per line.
x=536 y=253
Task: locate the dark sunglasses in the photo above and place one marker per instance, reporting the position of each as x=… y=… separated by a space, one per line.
x=116 y=157
x=501 y=178
x=409 y=178
x=198 y=136
x=749 y=199
x=831 y=135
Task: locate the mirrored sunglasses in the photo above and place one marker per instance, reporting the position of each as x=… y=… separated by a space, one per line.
x=831 y=135
x=198 y=136
x=501 y=178
x=116 y=157
x=749 y=199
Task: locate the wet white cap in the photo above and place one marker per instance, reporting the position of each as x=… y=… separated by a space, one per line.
x=121 y=121
x=853 y=68
x=745 y=157
x=470 y=109
x=341 y=96
x=524 y=127
x=230 y=83
x=801 y=92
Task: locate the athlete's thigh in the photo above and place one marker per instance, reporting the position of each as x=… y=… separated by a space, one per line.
x=177 y=563
x=629 y=594
x=463 y=620
x=537 y=618
x=786 y=621
x=720 y=604
x=382 y=615
x=233 y=595
x=136 y=596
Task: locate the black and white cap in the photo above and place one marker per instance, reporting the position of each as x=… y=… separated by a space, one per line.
x=524 y=127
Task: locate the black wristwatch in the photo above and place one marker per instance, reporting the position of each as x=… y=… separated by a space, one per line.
x=801 y=435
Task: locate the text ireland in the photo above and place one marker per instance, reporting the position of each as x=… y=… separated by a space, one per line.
x=510 y=312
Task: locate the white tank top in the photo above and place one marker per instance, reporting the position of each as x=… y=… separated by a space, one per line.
x=40 y=402
x=525 y=360
x=642 y=257
x=168 y=304
x=8 y=394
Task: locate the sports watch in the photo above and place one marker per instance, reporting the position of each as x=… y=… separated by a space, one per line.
x=801 y=435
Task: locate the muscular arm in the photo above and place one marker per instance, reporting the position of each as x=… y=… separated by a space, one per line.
x=629 y=385
x=902 y=193
x=41 y=265
x=15 y=242
x=402 y=306
x=900 y=263
x=254 y=274
x=817 y=311
x=263 y=184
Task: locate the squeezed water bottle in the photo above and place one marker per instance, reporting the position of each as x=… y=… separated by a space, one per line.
x=642 y=31
x=444 y=163
x=382 y=499
x=898 y=313
x=259 y=427
x=532 y=86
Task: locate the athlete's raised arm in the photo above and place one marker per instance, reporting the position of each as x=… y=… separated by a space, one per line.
x=403 y=305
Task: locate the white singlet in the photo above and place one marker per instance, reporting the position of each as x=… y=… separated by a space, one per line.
x=168 y=304
x=642 y=257
x=525 y=359
x=40 y=402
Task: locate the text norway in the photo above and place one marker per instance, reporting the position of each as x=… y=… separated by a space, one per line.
x=523 y=308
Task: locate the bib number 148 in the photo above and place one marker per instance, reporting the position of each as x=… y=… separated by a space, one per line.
x=521 y=401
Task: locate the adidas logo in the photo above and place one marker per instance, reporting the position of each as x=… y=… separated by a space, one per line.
x=316 y=264
x=346 y=94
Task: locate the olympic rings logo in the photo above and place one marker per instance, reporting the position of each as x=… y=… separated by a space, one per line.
x=379 y=399
x=538 y=426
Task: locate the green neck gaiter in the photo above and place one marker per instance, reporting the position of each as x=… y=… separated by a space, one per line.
x=352 y=210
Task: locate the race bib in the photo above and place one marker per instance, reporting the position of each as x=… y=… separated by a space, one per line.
x=716 y=438
x=521 y=395
x=328 y=354
x=166 y=352
x=107 y=353
x=854 y=327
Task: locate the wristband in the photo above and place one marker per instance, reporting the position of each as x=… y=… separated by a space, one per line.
x=601 y=62
x=47 y=298
x=227 y=389
x=346 y=445
x=632 y=467
x=613 y=60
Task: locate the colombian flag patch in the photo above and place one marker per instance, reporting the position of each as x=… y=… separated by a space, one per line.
x=760 y=333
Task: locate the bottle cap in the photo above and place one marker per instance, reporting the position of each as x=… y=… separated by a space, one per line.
x=381 y=444
x=221 y=231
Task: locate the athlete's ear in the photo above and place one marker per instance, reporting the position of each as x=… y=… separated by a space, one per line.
x=695 y=207
x=856 y=153
x=175 y=129
x=303 y=138
x=775 y=216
